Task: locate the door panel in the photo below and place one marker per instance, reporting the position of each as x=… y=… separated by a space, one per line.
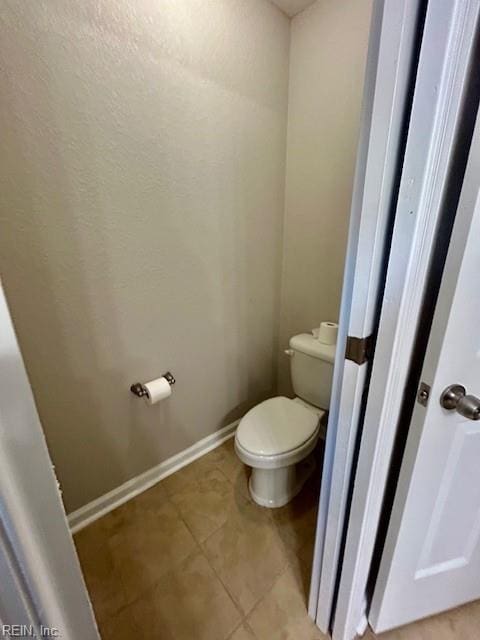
x=446 y=50
x=389 y=75
x=431 y=559
x=448 y=547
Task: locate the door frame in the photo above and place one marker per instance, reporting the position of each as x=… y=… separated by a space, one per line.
x=49 y=576
x=43 y=583
x=50 y=589
x=445 y=56
x=389 y=75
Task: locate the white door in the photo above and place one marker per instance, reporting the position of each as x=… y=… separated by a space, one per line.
x=388 y=75
x=431 y=558
x=445 y=58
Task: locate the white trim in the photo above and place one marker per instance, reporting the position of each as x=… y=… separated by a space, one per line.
x=443 y=64
x=16 y=606
x=44 y=584
x=104 y=504
x=363 y=624
x=387 y=84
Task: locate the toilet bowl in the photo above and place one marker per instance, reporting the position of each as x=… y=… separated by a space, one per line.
x=277 y=437
x=266 y=441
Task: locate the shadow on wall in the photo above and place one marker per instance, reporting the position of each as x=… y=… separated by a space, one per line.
x=141 y=229
x=325 y=95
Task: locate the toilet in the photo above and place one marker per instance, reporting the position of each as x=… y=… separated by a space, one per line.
x=277 y=436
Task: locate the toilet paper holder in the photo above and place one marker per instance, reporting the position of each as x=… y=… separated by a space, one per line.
x=139 y=390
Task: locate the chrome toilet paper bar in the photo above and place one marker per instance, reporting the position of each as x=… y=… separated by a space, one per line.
x=139 y=390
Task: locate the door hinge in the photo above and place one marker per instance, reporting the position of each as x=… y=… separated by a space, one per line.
x=359 y=350
x=423 y=394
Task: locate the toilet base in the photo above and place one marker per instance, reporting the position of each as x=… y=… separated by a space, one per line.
x=273 y=488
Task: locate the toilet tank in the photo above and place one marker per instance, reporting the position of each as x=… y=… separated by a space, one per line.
x=311 y=368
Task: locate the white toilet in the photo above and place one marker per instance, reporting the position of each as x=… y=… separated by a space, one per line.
x=276 y=437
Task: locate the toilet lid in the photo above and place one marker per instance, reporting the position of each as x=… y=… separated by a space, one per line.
x=276 y=426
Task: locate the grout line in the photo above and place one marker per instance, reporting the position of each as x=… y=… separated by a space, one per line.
x=243 y=623
x=174 y=568
x=217 y=576
x=200 y=548
x=247 y=624
x=235 y=630
x=227 y=590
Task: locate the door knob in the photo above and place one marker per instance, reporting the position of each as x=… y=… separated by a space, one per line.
x=455 y=398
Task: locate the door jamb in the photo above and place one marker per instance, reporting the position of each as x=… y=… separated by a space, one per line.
x=443 y=67
x=43 y=583
x=387 y=92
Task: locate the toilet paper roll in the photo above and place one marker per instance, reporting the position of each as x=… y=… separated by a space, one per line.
x=327 y=333
x=157 y=390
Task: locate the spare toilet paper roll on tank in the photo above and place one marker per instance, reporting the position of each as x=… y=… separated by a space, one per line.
x=157 y=390
x=327 y=333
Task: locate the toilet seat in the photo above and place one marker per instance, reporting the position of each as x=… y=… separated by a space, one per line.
x=289 y=458
x=277 y=432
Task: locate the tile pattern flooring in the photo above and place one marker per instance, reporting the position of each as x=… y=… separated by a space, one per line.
x=194 y=558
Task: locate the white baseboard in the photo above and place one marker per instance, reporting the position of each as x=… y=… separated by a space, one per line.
x=104 y=504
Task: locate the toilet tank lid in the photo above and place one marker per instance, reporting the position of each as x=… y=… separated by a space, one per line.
x=306 y=343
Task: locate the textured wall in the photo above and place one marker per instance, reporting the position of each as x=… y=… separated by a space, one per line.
x=327 y=59
x=142 y=185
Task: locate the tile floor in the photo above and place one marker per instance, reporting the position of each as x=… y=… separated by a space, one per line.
x=194 y=558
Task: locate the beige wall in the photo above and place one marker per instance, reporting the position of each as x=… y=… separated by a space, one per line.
x=142 y=205
x=142 y=188
x=327 y=59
